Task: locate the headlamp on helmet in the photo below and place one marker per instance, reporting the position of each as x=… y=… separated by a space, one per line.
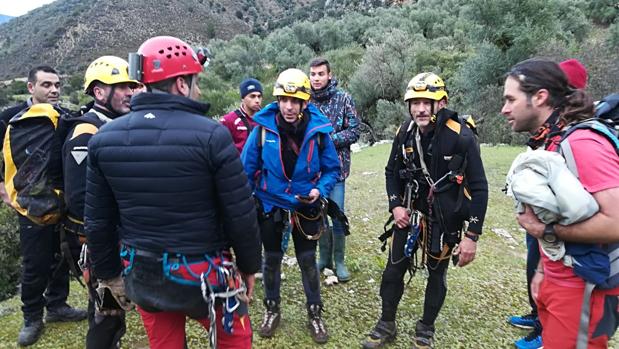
x=426 y=85
x=292 y=83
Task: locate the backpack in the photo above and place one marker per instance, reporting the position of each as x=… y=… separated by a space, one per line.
x=33 y=163
x=598 y=266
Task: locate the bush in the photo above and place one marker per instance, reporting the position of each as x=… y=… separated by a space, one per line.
x=9 y=253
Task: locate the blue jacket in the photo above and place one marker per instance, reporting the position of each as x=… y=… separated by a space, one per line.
x=166 y=178
x=318 y=166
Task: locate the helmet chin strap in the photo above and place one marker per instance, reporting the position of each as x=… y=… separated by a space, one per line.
x=191 y=87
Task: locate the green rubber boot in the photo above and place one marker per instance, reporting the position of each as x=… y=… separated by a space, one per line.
x=339 y=247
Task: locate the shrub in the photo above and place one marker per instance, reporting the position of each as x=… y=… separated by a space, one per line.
x=9 y=253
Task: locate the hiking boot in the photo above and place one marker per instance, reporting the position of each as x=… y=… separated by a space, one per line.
x=424 y=336
x=526 y=321
x=316 y=325
x=531 y=341
x=30 y=332
x=384 y=332
x=65 y=313
x=271 y=318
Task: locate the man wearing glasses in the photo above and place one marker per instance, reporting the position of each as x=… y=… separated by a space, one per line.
x=436 y=187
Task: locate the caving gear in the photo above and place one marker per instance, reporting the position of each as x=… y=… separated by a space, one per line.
x=109 y=70
x=163 y=57
x=292 y=83
x=426 y=85
x=33 y=164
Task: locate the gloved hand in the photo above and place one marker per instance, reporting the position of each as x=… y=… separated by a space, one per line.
x=111 y=296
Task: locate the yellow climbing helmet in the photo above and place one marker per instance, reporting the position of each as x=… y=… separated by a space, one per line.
x=426 y=85
x=108 y=70
x=292 y=83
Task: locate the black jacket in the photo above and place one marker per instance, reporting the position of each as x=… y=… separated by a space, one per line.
x=441 y=145
x=165 y=178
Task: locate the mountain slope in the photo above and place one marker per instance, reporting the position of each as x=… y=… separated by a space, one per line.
x=68 y=34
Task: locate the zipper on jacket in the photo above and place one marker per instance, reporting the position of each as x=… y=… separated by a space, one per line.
x=309 y=154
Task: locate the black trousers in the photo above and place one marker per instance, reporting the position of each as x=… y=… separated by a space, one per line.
x=42 y=283
x=392 y=283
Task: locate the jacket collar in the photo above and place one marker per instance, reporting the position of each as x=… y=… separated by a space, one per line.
x=326 y=92
x=167 y=101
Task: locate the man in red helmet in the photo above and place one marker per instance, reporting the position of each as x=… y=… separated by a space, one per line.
x=168 y=184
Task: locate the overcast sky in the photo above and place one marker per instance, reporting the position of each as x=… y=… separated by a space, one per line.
x=20 y=7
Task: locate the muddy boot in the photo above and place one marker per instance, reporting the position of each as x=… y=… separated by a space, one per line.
x=339 y=247
x=316 y=325
x=424 y=336
x=271 y=318
x=325 y=250
x=384 y=332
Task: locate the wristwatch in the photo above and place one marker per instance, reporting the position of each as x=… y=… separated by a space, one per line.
x=549 y=234
x=472 y=236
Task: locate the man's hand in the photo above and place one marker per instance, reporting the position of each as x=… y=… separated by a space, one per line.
x=313 y=195
x=466 y=250
x=536 y=284
x=250 y=281
x=529 y=221
x=401 y=217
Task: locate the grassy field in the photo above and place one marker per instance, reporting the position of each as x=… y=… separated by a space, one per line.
x=480 y=297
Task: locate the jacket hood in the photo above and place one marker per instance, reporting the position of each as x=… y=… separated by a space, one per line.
x=327 y=92
x=317 y=123
x=167 y=101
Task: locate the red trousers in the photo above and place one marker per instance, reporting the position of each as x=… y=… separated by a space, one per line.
x=559 y=311
x=166 y=330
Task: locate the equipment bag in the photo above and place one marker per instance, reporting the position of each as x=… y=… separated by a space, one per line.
x=598 y=265
x=33 y=163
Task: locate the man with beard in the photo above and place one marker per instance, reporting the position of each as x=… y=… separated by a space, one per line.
x=107 y=81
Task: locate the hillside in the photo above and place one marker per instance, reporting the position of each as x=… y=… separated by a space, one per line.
x=4 y=18
x=70 y=33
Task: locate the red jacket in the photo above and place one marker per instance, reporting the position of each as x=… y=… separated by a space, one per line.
x=234 y=122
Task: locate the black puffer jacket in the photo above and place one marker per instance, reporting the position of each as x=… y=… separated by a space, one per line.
x=165 y=178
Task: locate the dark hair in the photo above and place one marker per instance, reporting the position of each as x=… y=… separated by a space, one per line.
x=166 y=85
x=32 y=75
x=317 y=62
x=535 y=74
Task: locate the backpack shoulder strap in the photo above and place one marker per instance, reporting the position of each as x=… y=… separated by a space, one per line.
x=243 y=119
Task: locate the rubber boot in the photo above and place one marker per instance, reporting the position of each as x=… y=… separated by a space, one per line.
x=339 y=247
x=325 y=250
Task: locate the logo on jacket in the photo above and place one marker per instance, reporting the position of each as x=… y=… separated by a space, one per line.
x=149 y=116
x=79 y=154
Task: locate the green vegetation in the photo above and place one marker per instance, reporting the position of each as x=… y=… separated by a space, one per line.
x=480 y=296
x=471 y=44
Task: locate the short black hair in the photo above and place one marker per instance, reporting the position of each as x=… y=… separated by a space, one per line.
x=166 y=85
x=32 y=75
x=317 y=62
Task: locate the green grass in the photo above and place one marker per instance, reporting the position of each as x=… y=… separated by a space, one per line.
x=480 y=297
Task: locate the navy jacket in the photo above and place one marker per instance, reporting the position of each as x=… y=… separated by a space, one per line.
x=165 y=178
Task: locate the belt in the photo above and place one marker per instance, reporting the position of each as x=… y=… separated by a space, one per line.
x=172 y=256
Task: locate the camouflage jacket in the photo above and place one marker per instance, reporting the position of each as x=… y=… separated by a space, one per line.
x=339 y=107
